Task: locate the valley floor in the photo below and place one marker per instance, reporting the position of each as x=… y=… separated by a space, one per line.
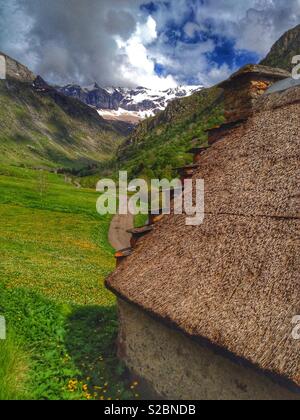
x=61 y=321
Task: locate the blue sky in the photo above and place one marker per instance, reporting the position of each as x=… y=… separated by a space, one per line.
x=224 y=52
x=158 y=44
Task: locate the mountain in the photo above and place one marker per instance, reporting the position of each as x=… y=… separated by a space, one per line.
x=17 y=71
x=159 y=144
x=284 y=50
x=40 y=127
x=127 y=104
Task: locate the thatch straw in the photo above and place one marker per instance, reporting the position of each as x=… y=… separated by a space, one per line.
x=235 y=279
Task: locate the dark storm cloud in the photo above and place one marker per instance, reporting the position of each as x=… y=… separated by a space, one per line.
x=120 y=23
x=73 y=40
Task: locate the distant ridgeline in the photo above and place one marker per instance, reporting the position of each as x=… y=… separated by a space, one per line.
x=284 y=50
x=40 y=127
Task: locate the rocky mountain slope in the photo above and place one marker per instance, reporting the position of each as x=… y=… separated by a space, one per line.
x=284 y=50
x=40 y=127
x=125 y=104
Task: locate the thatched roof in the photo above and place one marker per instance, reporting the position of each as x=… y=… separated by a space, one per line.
x=233 y=281
x=256 y=70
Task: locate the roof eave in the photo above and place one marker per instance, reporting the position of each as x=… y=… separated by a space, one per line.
x=276 y=377
x=264 y=71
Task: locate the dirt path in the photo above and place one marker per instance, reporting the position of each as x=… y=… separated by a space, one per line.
x=118 y=236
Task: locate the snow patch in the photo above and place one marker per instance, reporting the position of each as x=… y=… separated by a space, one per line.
x=128 y=103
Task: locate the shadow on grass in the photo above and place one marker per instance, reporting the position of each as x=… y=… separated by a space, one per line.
x=91 y=343
x=69 y=352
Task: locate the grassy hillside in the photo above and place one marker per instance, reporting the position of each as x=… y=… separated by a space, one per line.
x=54 y=252
x=38 y=129
x=62 y=322
x=284 y=50
x=159 y=144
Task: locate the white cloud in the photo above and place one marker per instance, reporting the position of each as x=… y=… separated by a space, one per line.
x=114 y=42
x=70 y=40
x=253 y=24
x=146 y=33
x=140 y=65
x=214 y=74
x=191 y=29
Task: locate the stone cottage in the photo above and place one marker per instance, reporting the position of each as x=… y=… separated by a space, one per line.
x=206 y=312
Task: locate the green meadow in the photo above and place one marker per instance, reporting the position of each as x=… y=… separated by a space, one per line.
x=61 y=321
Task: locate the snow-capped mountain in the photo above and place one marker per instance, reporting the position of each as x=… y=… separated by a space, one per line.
x=127 y=104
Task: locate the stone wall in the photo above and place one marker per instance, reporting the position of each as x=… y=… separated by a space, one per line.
x=176 y=367
x=242 y=94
